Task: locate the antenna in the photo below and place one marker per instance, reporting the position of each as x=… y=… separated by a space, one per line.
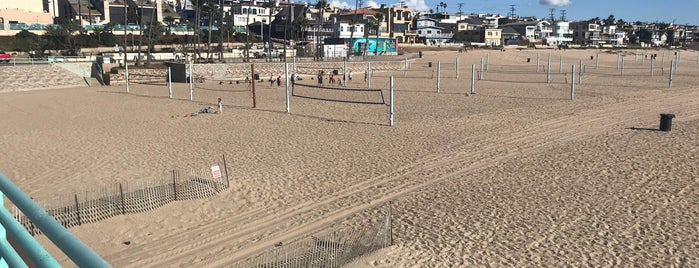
x=512 y=11
x=552 y=12
x=360 y=3
x=563 y=14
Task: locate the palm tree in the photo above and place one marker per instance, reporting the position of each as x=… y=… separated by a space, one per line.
x=321 y=5
x=211 y=7
x=302 y=24
x=379 y=19
x=169 y=20
x=272 y=6
x=443 y=5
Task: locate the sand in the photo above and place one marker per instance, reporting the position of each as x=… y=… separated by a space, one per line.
x=515 y=175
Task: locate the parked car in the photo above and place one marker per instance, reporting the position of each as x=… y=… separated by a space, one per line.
x=4 y=57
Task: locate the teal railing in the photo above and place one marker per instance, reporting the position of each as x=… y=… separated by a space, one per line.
x=75 y=249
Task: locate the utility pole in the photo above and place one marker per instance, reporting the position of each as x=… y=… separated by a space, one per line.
x=563 y=14
x=126 y=19
x=460 y=6
x=512 y=11
x=552 y=13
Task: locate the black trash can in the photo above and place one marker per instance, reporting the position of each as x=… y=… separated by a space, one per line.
x=529 y=60
x=336 y=72
x=666 y=122
x=256 y=77
x=592 y=57
x=429 y=64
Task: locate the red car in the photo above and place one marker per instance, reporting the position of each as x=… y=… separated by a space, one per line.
x=4 y=57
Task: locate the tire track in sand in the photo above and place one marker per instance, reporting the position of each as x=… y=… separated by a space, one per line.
x=368 y=194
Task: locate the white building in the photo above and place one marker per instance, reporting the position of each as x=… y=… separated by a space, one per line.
x=343 y=30
x=562 y=34
x=428 y=31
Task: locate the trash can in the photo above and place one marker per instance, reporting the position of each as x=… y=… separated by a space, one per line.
x=666 y=122
x=429 y=64
x=592 y=57
x=336 y=72
x=256 y=77
x=529 y=60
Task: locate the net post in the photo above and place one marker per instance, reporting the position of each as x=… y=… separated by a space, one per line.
x=560 y=64
x=439 y=73
x=480 y=74
x=286 y=74
x=671 y=71
x=126 y=75
x=368 y=75
x=643 y=59
x=473 y=79
x=652 y=61
x=169 y=82
x=580 y=73
x=548 y=69
x=252 y=70
x=344 y=73
x=597 y=59
x=537 y=62
x=191 y=76
x=487 y=61
x=390 y=96
x=457 y=68
x=622 y=66
x=572 y=83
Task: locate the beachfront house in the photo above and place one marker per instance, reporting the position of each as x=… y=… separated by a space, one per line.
x=536 y=32
x=586 y=33
x=399 y=23
x=562 y=34
x=429 y=33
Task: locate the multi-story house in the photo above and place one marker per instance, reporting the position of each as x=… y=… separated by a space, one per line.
x=399 y=23
x=562 y=34
x=586 y=33
x=469 y=24
x=612 y=36
x=536 y=32
x=429 y=33
x=486 y=36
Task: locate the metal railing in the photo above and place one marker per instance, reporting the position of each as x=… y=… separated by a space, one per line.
x=75 y=249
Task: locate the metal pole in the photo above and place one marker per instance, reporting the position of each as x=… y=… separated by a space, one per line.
x=169 y=82
x=286 y=73
x=537 y=62
x=622 y=66
x=473 y=79
x=368 y=75
x=75 y=249
x=487 y=61
x=295 y=66
x=597 y=59
x=457 y=68
x=480 y=74
x=126 y=76
x=671 y=70
x=618 y=60
x=390 y=98
x=580 y=73
x=652 y=61
x=191 y=76
x=548 y=70
x=643 y=59
x=439 y=74
x=560 y=65
x=572 y=83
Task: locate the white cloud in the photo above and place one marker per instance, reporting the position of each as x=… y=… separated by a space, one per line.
x=417 y=5
x=372 y=4
x=555 y=3
x=338 y=4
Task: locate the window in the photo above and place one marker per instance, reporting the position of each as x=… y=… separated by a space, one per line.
x=342 y=28
x=429 y=32
x=490 y=33
x=497 y=33
x=419 y=32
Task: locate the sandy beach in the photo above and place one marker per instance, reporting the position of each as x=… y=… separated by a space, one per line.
x=514 y=175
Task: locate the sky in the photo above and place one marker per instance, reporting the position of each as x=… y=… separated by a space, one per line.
x=680 y=11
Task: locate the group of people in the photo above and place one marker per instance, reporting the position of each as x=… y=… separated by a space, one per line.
x=272 y=80
x=332 y=78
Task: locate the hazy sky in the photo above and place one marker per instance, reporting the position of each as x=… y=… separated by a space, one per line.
x=681 y=11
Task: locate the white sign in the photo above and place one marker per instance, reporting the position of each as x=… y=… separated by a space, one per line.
x=216 y=171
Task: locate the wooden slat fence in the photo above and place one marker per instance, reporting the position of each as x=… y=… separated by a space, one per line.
x=124 y=198
x=333 y=249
